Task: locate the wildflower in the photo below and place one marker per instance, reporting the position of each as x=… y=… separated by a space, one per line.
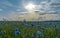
x=39 y=33
x=32 y=24
x=17 y=33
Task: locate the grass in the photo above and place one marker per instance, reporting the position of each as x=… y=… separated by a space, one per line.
x=25 y=29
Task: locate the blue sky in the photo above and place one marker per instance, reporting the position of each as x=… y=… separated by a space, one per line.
x=15 y=10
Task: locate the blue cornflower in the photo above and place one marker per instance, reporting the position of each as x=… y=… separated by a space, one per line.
x=32 y=24
x=17 y=33
x=39 y=33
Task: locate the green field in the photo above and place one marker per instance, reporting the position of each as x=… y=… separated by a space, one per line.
x=20 y=29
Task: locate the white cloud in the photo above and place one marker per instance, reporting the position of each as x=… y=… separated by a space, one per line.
x=44 y=8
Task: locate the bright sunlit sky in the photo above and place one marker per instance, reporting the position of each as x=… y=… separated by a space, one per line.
x=31 y=10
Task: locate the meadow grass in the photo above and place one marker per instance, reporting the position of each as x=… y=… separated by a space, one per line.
x=18 y=29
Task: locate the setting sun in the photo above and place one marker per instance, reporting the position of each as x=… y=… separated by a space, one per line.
x=30 y=7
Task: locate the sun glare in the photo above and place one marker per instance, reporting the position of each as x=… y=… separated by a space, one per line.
x=30 y=7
